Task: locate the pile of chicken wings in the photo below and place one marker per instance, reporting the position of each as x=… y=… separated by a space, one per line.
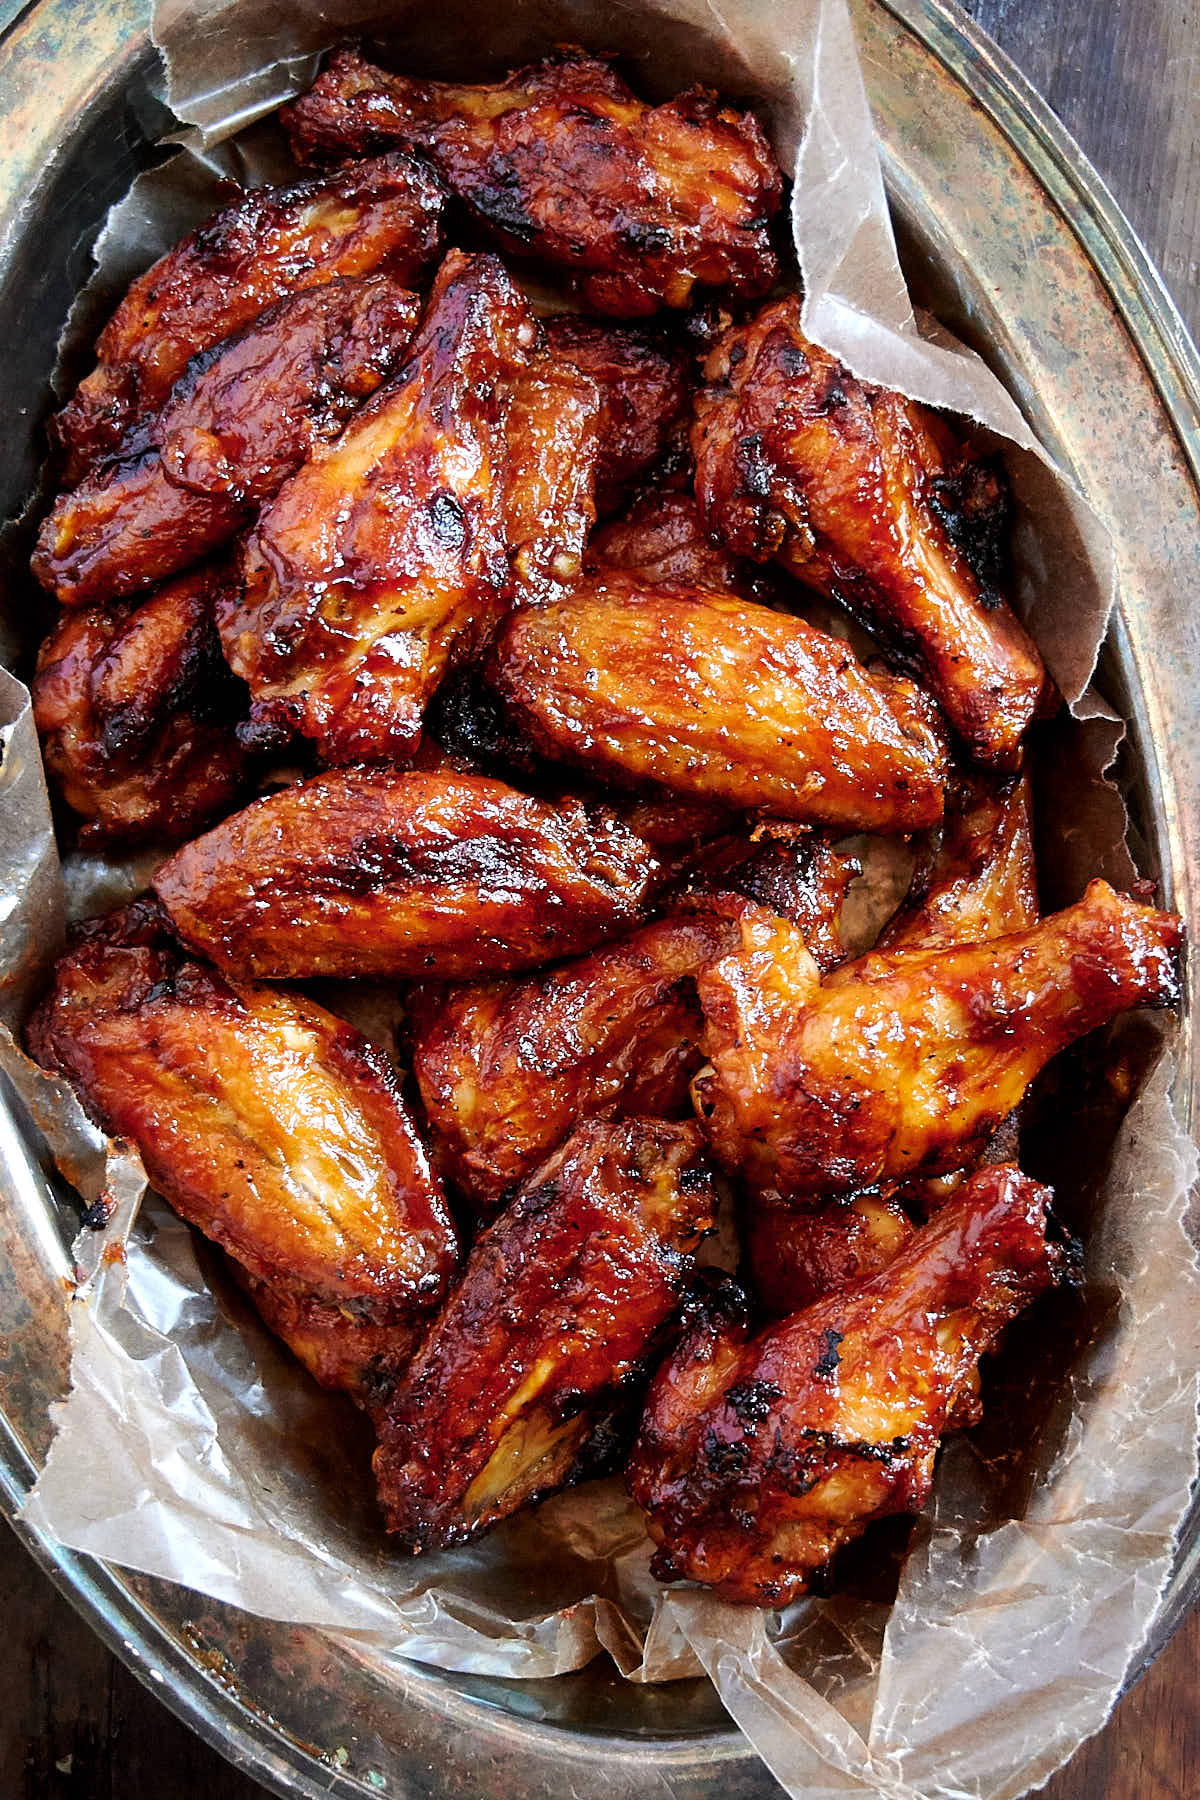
x=566 y=609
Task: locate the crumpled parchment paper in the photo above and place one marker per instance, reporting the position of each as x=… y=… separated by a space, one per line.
x=192 y=1448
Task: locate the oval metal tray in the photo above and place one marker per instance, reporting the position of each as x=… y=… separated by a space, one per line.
x=1011 y=238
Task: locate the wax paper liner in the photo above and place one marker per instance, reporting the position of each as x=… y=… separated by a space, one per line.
x=190 y=1446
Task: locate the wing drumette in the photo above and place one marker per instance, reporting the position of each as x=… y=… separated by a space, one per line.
x=867 y=497
x=136 y=711
x=382 y=215
x=366 y=872
x=902 y=1064
x=385 y=556
x=522 y=1383
x=241 y=418
x=271 y=1126
x=718 y=699
x=759 y=1458
x=638 y=204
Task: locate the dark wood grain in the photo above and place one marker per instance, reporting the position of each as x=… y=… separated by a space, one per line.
x=1124 y=77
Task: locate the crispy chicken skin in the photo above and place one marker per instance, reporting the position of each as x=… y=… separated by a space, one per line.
x=758 y=1458
x=714 y=698
x=797 y=1255
x=378 y=873
x=553 y=443
x=563 y=1304
x=902 y=1064
x=384 y=557
x=136 y=713
x=640 y=205
x=507 y=1068
x=241 y=418
x=645 y=396
x=866 y=497
x=981 y=880
x=661 y=541
x=382 y=215
x=271 y=1126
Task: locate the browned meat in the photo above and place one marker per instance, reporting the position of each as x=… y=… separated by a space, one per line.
x=868 y=498
x=136 y=712
x=384 y=557
x=902 y=1064
x=241 y=418
x=760 y=1457
x=645 y=397
x=661 y=542
x=640 y=205
x=366 y=872
x=714 y=698
x=270 y=1125
x=981 y=881
x=553 y=443
x=382 y=215
x=528 y=1369
x=797 y=1256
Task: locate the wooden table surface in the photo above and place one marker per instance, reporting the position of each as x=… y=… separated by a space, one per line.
x=74 y=1725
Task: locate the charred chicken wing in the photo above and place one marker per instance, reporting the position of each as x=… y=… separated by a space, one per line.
x=241 y=418
x=902 y=1064
x=759 y=1458
x=136 y=712
x=521 y=1385
x=271 y=1126
x=645 y=396
x=382 y=215
x=865 y=496
x=385 y=556
x=711 y=697
x=639 y=204
x=366 y=872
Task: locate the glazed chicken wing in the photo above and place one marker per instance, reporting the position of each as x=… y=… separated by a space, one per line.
x=384 y=556
x=714 y=698
x=136 y=712
x=981 y=881
x=553 y=443
x=382 y=215
x=521 y=1384
x=271 y=1126
x=645 y=396
x=661 y=542
x=241 y=418
x=902 y=1064
x=796 y=1254
x=638 y=204
x=759 y=1458
x=866 y=497
x=367 y=872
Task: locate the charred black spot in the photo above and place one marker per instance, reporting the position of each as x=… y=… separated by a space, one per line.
x=97 y=1215
x=751 y=1401
x=467 y=719
x=725 y=1456
x=502 y=200
x=827 y=1362
x=792 y=360
x=753 y=466
x=974 y=507
x=448 y=520
x=646 y=240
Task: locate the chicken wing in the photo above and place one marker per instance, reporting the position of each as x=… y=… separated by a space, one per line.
x=797 y=1255
x=271 y=1126
x=758 y=1458
x=661 y=542
x=981 y=881
x=645 y=397
x=902 y=1064
x=528 y=1368
x=867 y=497
x=712 y=697
x=136 y=712
x=241 y=418
x=553 y=443
x=368 y=872
x=384 y=557
x=382 y=215
x=638 y=204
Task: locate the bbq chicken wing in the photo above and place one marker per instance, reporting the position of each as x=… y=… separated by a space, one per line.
x=553 y=443
x=661 y=542
x=713 y=698
x=866 y=497
x=759 y=1458
x=645 y=397
x=384 y=557
x=522 y=1383
x=271 y=1126
x=797 y=1255
x=374 y=873
x=981 y=881
x=902 y=1064
x=136 y=712
x=374 y=216
x=241 y=418
x=640 y=205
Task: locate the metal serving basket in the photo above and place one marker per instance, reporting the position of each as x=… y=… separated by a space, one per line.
x=1015 y=243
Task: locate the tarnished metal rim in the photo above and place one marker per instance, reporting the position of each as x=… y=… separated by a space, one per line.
x=182 y=1682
